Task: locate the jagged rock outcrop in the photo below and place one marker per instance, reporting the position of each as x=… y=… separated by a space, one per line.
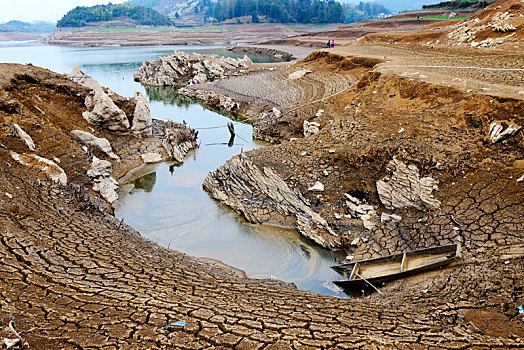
x=100 y=143
x=17 y=131
x=142 y=121
x=100 y=173
x=83 y=79
x=102 y=112
x=498 y=133
x=180 y=69
x=405 y=188
x=50 y=168
x=263 y=197
x=178 y=144
x=311 y=128
x=211 y=98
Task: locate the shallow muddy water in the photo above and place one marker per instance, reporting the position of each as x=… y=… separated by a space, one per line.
x=166 y=202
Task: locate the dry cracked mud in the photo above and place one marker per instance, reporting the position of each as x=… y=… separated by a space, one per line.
x=74 y=277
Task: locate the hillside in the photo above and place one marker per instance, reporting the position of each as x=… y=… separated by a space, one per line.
x=186 y=12
x=106 y=14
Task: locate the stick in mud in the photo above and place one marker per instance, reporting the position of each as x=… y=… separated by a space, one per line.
x=365 y=280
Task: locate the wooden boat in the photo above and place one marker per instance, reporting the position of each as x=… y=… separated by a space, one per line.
x=360 y=274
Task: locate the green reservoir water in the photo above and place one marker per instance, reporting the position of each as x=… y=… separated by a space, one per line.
x=166 y=203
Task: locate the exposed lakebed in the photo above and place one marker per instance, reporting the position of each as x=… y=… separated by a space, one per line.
x=165 y=202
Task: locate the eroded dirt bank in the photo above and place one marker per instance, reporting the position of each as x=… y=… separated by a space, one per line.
x=72 y=276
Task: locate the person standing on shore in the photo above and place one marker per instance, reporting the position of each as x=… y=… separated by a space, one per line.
x=332 y=43
x=328 y=45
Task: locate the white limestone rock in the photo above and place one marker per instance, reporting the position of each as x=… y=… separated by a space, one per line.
x=50 y=168
x=104 y=183
x=17 y=131
x=405 y=188
x=83 y=79
x=317 y=187
x=142 y=122
x=497 y=132
x=311 y=128
x=102 y=111
x=151 y=157
x=298 y=74
x=100 y=143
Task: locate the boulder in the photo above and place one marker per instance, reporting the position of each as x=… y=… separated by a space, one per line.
x=151 y=157
x=104 y=183
x=311 y=128
x=142 y=122
x=100 y=143
x=298 y=74
x=177 y=149
x=17 y=131
x=317 y=187
x=497 y=132
x=102 y=111
x=405 y=188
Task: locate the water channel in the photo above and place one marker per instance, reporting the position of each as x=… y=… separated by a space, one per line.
x=166 y=203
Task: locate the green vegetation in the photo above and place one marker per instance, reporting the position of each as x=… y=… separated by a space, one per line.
x=460 y=4
x=139 y=15
x=363 y=11
x=281 y=11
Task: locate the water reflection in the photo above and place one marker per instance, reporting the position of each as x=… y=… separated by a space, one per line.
x=146 y=182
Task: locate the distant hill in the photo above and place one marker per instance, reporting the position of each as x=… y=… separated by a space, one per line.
x=399 y=5
x=25 y=27
x=188 y=12
x=100 y=14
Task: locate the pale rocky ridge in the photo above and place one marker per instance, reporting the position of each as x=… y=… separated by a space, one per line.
x=17 y=131
x=48 y=167
x=263 y=197
x=181 y=69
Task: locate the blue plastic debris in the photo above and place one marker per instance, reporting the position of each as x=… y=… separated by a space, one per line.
x=165 y=327
x=521 y=309
x=178 y=324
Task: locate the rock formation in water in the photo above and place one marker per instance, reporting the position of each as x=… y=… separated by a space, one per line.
x=211 y=98
x=181 y=69
x=270 y=199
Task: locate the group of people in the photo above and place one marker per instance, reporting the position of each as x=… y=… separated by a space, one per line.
x=330 y=44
